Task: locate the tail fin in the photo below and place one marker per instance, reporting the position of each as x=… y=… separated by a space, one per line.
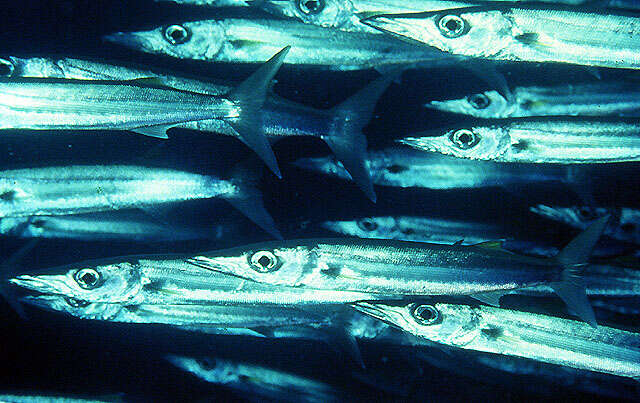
x=576 y=254
x=250 y=96
x=7 y=269
x=248 y=199
x=347 y=141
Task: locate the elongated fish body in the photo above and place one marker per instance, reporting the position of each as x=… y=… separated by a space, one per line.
x=253 y=41
x=36 y=397
x=257 y=382
x=418 y=229
x=587 y=99
x=48 y=104
x=82 y=189
x=242 y=316
x=212 y=3
x=137 y=280
x=380 y=266
x=501 y=331
x=517 y=32
x=104 y=227
x=559 y=140
x=625 y=225
x=408 y=168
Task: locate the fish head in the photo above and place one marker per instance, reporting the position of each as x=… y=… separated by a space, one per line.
x=325 y=13
x=487 y=105
x=75 y=307
x=575 y=216
x=265 y=263
x=209 y=369
x=200 y=40
x=365 y=227
x=469 y=31
x=472 y=142
x=441 y=323
x=110 y=283
x=12 y=66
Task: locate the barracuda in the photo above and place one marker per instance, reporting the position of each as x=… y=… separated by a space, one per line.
x=145 y=107
x=407 y=268
x=257 y=382
x=136 y=280
x=522 y=334
x=605 y=98
x=193 y=316
x=516 y=32
x=252 y=41
x=408 y=168
x=346 y=14
x=122 y=226
x=624 y=225
x=340 y=127
x=83 y=189
x=560 y=140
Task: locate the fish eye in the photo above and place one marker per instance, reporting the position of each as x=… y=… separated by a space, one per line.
x=87 y=278
x=76 y=303
x=38 y=223
x=452 y=26
x=479 y=101
x=176 y=34
x=206 y=363
x=586 y=213
x=464 y=139
x=367 y=224
x=264 y=261
x=426 y=314
x=6 y=68
x=310 y=7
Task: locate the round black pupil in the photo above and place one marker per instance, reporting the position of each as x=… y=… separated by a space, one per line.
x=264 y=261
x=479 y=101
x=427 y=314
x=177 y=35
x=585 y=213
x=368 y=225
x=88 y=278
x=465 y=138
x=312 y=5
x=452 y=25
x=5 y=69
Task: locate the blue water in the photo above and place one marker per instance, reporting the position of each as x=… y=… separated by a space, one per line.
x=51 y=352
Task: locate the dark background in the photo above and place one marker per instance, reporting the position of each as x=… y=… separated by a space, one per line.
x=50 y=352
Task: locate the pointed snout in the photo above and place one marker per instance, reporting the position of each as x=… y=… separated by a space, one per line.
x=41 y=284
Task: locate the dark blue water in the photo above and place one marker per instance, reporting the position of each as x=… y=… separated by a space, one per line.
x=51 y=352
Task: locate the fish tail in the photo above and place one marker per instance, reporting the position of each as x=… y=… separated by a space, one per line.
x=250 y=96
x=573 y=258
x=248 y=199
x=347 y=141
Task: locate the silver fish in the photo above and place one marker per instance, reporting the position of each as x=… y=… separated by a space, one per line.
x=194 y=316
x=408 y=168
x=258 y=382
x=43 y=397
x=212 y=3
x=53 y=104
x=405 y=268
x=561 y=140
x=625 y=225
x=605 y=98
x=517 y=32
x=136 y=280
x=253 y=41
x=539 y=337
x=104 y=227
x=83 y=189
x=279 y=118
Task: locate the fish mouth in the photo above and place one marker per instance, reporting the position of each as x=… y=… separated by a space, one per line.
x=42 y=284
x=395 y=24
x=127 y=39
x=384 y=313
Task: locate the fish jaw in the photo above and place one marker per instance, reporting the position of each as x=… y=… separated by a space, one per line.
x=412 y=29
x=45 y=284
x=392 y=315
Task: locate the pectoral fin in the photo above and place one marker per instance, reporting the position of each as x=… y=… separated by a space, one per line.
x=159 y=131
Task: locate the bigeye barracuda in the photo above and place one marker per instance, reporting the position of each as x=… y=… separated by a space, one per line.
x=560 y=140
x=538 y=337
x=193 y=316
x=67 y=104
x=42 y=397
x=279 y=118
x=407 y=268
x=121 y=226
x=136 y=280
x=408 y=168
x=346 y=14
x=624 y=225
x=253 y=41
x=257 y=382
x=585 y=99
x=84 y=189
x=517 y=32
